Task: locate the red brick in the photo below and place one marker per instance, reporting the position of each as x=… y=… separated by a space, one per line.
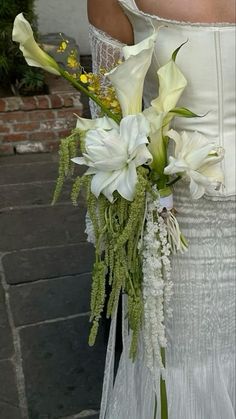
x=4 y=128
x=52 y=146
x=14 y=137
x=56 y=101
x=77 y=111
x=13 y=103
x=54 y=124
x=66 y=113
x=30 y=126
x=63 y=133
x=38 y=136
x=39 y=115
x=67 y=100
x=43 y=102
x=2 y=105
x=28 y=103
x=6 y=149
x=14 y=116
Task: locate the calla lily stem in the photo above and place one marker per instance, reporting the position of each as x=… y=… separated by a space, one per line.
x=164 y=404
x=83 y=89
x=174 y=180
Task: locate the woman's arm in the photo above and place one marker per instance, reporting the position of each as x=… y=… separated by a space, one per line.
x=108 y=16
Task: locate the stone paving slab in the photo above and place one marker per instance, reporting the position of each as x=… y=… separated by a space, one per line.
x=85 y=414
x=31 y=169
x=9 y=404
x=41 y=226
x=63 y=376
x=46 y=263
x=6 y=343
x=37 y=193
x=50 y=299
x=28 y=173
x=28 y=158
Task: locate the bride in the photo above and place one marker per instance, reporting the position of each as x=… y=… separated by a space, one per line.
x=200 y=354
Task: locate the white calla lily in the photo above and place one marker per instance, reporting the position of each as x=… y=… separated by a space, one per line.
x=105 y=123
x=128 y=77
x=112 y=156
x=34 y=55
x=171 y=86
x=198 y=158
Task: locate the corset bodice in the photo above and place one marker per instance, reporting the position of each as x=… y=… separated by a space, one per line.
x=208 y=62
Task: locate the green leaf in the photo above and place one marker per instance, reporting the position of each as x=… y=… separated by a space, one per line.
x=174 y=55
x=184 y=112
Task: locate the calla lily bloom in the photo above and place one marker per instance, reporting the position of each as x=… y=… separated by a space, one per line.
x=197 y=158
x=112 y=156
x=128 y=77
x=105 y=123
x=171 y=86
x=34 y=55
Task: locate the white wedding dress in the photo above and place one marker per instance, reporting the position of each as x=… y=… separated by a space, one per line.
x=200 y=357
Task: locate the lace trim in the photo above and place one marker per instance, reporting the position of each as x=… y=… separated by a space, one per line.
x=106 y=51
x=104 y=36
x=208 y=25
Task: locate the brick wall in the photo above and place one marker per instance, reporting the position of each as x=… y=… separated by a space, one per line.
x=37 y=123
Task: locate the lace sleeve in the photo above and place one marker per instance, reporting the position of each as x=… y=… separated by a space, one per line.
x=106 y=51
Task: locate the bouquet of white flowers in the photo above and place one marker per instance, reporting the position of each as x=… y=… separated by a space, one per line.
x=130 y=214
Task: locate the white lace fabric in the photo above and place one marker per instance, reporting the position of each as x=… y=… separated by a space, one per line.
x=200 y=373
x=106 y=52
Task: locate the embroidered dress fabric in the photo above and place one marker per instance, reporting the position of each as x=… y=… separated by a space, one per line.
x=200 y=357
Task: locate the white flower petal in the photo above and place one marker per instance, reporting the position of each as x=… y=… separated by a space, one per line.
x=79 y=160
x=128 y=77
x=197 y=190
x=105 y=123
x=102 y=180
x=213 y=172
x=34 y=55
x=174 y=135
x=171 y=86
x=145 y=44
x=175 y=166
x=143 y=156
x=127 y=182
x=134 y=131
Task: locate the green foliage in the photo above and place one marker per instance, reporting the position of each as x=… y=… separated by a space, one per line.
x=68 y=150
x=117 y=229
x=32 y=81
x=13 y=66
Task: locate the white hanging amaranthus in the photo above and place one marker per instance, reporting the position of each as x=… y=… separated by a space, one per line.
x=157 y=285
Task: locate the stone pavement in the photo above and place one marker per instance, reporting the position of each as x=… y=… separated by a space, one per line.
x=47 y=370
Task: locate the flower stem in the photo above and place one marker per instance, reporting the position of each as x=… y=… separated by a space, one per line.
x=172 y=182
x=79 y=86
x=155 y=408
x=164 y=404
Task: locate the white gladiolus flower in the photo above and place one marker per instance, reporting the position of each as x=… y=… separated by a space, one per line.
x=128 y=77
x=112 y=156
x=198 y=158
x=34 y=55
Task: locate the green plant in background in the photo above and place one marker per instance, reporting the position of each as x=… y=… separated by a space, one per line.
x=14 y=72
